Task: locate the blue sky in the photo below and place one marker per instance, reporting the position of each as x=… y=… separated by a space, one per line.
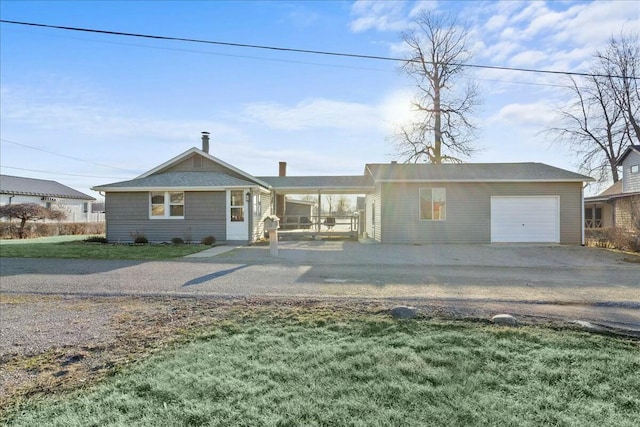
x=125 y=105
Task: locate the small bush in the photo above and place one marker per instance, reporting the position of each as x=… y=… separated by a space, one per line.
x=141 y=240
x=209 y=240
x=96 y=239
x=177 y=241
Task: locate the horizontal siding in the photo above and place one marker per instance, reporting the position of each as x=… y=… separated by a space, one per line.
x=630 y=182
x=207 y=166
x=468 y=211
x=373 y=221
x=127 y=214
x=257 y=232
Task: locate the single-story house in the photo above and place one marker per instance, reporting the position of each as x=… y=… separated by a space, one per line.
x=51 y=194
x=196 y=194
x=618 y=205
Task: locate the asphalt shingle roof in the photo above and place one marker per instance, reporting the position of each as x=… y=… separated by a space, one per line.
x=38 y=187
x=472 y=172
x=180 y=180
x=318 y=182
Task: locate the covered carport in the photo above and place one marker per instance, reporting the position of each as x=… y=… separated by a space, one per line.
x=319 y=224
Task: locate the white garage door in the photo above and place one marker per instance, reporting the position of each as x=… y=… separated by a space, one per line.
x=525 y=219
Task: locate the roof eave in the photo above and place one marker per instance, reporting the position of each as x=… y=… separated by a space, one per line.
x=167 y=188
x=426 y=180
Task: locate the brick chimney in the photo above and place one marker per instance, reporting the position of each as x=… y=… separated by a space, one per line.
x=282 y=169
x=205 y=142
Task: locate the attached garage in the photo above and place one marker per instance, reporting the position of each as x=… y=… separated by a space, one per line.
x=528 y=219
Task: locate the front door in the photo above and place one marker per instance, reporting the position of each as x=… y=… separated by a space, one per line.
x=237 y=211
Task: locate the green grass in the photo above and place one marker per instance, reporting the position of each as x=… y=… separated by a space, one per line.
x=80 y=249
x=367 y=371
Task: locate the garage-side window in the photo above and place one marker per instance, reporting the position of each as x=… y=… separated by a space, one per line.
x=635 y=169
x=167 y=204
x=433 y=204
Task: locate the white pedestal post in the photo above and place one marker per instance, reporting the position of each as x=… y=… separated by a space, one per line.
x=273 y=242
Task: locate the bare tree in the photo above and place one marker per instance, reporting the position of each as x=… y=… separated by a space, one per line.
x=621 y=64
x=343 y=206
x=438 y=48
x=601 y=120
x=28 y=212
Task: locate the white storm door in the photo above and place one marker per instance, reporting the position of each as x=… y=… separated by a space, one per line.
x=237 y=215
x=525 y=219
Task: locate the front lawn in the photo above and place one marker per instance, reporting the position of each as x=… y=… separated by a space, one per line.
x=81 y=249
x=364 y=370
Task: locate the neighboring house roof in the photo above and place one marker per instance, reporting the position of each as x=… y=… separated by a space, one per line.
x=206 y=155
x=628 y=151
x=613 y=192
x=472 y=172
x=324 y=184
x=16 y=185
x=178 y=181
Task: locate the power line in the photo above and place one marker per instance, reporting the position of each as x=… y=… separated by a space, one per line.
x=286 y=49
x=61 y=173
x=64 y=155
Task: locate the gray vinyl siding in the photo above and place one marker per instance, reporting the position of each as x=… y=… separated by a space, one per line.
x=468 y=207
x=257 y=225
x=630 y=182
x=128 y=214
x=207 y=166
x=373 y=209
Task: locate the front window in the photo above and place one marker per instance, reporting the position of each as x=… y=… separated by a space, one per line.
x=635 y=168
x=433 y=204
x=167 y=204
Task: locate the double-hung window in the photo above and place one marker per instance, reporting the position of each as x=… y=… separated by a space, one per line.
x=433 y=204
x=167 y=204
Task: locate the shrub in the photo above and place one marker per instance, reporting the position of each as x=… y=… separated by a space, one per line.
x=96 y=239
x=9 y=230
x=209 y=240
x=141 y=240
x=177 y=241
x=614 y=238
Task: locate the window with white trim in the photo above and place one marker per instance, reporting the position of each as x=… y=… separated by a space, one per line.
x=634 y=169
x=167 y=204
x=433 y=204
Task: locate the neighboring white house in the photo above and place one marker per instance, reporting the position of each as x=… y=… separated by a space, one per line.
x=78 y=206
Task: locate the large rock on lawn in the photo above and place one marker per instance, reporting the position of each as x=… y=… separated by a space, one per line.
x=403 y=312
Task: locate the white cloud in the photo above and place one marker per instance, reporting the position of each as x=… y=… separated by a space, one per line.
x=86 y=116
x=495 y=22
x=529 y=58
x=316 y=113
x=537 y=114
x=379 y=15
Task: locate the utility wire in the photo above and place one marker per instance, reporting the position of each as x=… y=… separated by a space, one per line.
x=286 y=49
x=64 y=155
